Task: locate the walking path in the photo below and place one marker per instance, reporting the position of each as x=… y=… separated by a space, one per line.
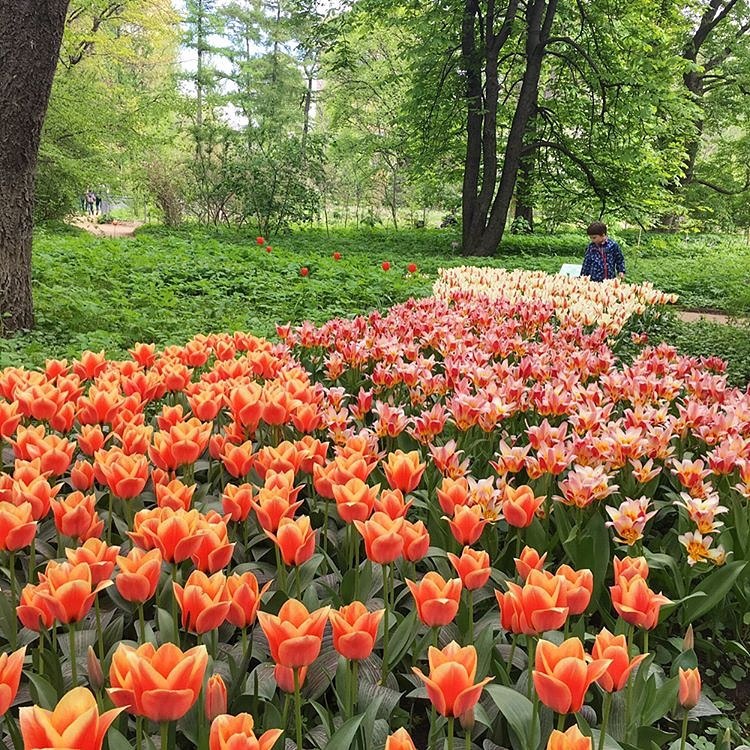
x=692 y=316
x=116 y=230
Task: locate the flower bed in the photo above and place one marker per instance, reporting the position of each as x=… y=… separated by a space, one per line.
x=460 y=521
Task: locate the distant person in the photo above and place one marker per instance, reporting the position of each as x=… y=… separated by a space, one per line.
x=90 y=202
x=603 y=259
x=98 y=201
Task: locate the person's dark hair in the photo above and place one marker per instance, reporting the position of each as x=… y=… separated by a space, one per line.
x=596 y=227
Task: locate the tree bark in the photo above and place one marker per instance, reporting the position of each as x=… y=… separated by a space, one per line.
x=486 y=206
x=30 y=37
x=524 y=182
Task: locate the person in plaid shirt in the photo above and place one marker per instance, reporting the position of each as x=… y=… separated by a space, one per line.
x=603 y=259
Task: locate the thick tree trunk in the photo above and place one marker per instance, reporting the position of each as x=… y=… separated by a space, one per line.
x=524 y=186
x=30 y=36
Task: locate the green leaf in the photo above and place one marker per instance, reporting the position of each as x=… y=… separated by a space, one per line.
x=117 y=741
x=344 y=736
x=663 y=700
x=518 y=712
x=716 y=586
x=402 y=638
x=46 y=695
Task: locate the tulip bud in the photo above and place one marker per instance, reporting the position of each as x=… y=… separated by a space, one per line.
x=690 y=688
x=96 y=676
x=688 y=642
x=467 y=720
x=216 y=697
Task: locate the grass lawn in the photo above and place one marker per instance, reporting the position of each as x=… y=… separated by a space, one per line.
x=165 y=286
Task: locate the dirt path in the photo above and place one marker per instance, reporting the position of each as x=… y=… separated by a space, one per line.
x=113 y=231
x=692 y=316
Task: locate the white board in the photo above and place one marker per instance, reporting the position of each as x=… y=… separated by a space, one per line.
x=570 y=269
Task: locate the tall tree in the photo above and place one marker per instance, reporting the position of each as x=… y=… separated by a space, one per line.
x=30 y=36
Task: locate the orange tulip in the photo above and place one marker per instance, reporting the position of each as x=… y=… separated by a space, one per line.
x=38 y=492
x=271 y=505
x=537 y=606
x=437 y=600
x=355 y=500
x=167 y=682
x=284 y=677
x=690 y=688
x=238 y=459
x=631 y=567
x=215 y=702
x=203 y=601
x=572 y=739
x=403 y=470
x=245 y=404
x=125 y=475
x=214 y=550
x=76 y=516
x=529 y=560
x=34 y=610
x=174 y=494
x=75 y=724
x=295 y=538
x=10 y=676
x=383 y=540
x=17 y=526
x=416 y=540
x=400 y=740
x=97 y=555
x=636 y=603
x=189 y=440
x=281 y=458
x=175 y=533
x=69 y=593
x=614 y=648
x=10 y=418
x=294 y=635
x=467 y=523
x=244 y=598
x=236 y=733
x=392 y=503
x=91 y=439
x=520 y=505
x=82 y=475
x=121 y=673
x=473 y=567
x=453 y=492
x=563 y=675
x=578 y=585
x=236 y=501
x=450 y=685
x=355 y=630
x=139 y=574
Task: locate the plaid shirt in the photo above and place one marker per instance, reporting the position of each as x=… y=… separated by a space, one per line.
x=603 y=261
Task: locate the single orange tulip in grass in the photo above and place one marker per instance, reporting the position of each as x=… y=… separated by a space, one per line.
x=614 y=648
x=10 y=676
x=528 y=561
x=295 y=539
x=636 y=603
x=294 y=635
x=467 y=524
x=355 y=499
x=355 y=630
x=562 y=674
x=215 y=702
x=537 y=606
x=572 y=739
x=76 y=516
x=204 y=601
x=17 y=526
x=236 y=733
x=578 y=585
x=450 y=683
x=690 y=688
x=244 y=598
x=473 y=567
x=75 y=723
x=403 y=470
x=165 y=682
x=520 y=505
x=437 y=600
x=139 y=574
x=384 y=542
x=69 y=590
x=400 y=740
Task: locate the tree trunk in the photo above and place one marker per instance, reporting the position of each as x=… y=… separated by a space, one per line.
x=524 y=183
x=486 y=205
x=30 y=36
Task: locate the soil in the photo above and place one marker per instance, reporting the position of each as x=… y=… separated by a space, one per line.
x=691 y=316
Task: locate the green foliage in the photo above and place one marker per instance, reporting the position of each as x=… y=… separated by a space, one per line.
x=166 y=285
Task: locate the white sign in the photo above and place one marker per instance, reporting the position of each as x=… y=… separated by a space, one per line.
x=570 y=269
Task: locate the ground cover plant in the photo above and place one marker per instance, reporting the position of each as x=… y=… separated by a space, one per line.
x=165 y=285
x=458 y=522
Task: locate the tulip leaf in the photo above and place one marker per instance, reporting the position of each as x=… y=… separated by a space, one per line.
x=518 y=712
x=716 y=585
x=344 y=736
x=167 y=626
x=8 y=620
x=116 y=740
x=46 y=695
x=610 y=743
x=402 y=638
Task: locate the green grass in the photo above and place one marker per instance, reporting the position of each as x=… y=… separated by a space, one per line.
x=165 y=286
